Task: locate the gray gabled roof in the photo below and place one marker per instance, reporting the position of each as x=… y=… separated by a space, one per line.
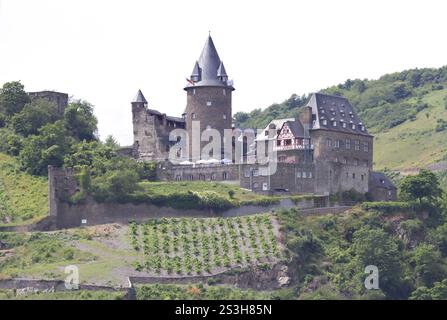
x=380 y=180
x=139 y=98
x=335 y=109
x=296 y=127
x=208 y=67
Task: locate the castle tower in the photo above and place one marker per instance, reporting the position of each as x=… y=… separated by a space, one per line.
x=209 y=94
x=144 y=146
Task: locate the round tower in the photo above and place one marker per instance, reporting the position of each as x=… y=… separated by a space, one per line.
x=208 y=95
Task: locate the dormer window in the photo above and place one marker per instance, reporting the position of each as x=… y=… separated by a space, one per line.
x=324 y=122
x=334 y=123
x=343 y=124
x=353 y=126
x=362 y=128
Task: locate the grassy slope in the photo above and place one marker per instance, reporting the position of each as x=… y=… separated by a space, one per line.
x=22 y=197
x=414 y=144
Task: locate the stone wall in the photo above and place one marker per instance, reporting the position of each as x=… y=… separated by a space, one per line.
x=168 y=172
x=295 y=178
x=94 y=213
x=151 y=133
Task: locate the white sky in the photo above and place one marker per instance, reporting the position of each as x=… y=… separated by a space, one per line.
x=104 y=51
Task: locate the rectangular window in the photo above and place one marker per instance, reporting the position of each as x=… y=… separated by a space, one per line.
x=304 y=174
x=357 y=145
x=310 y=175
x=366 y=146
x=298 y=174
x=336 y=143
x=328 y=143
x=348 y=143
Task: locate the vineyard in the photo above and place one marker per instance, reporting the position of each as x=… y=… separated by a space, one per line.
x=200 y=246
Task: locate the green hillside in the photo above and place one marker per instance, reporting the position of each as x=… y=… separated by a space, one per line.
x=23 y=197
x=405 y=111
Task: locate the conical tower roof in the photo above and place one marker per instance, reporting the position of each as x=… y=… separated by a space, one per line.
x=139 y=98
x=209 y=67
x=221 y=72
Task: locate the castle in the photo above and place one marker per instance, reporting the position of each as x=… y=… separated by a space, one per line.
x=325 y=149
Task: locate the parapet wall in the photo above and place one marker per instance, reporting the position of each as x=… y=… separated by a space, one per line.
x=94 y=213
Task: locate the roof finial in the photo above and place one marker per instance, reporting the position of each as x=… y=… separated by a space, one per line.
x=209 y=33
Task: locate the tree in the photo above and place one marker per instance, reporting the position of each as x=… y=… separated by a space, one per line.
x=33 y=116
x=112 y=143
x=47 y=148
x=80 y=121
x=437 y=292
x=429 y=266
x=13 y=98
x=423 y=185
x=375 y=247
x=93 y=154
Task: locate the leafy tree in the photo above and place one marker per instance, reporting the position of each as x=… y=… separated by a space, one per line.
x=375 y=247
x=10 y=142
x=13 y=98
x=424 y=185
x=93 y=154
x=429 y=266
x=47 y=148
x=33 y=116
x=115 y=185
x=80 y=121
x=437 y=292
x=112 y=143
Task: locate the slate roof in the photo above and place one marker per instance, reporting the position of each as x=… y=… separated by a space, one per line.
x=296 y=127
x=139 y=97
x=380 y=180
x=335 y=109
x=209 y=68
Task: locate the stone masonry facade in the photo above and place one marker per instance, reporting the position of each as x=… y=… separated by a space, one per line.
x=325 y=149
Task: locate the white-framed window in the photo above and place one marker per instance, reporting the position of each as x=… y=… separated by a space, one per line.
x=324 y=122
x=304 y=175
x=194 y=92
x=298 y=174
x=348 y=143
x=193 y=115
x=328 y=143
x=310 y=175
x=336 y=143
x=343 y=124
x=334 y=123
x=353 y=126
x=209 y=103
x=224 y=116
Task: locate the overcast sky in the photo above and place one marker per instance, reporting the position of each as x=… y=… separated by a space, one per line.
x=104 y=51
